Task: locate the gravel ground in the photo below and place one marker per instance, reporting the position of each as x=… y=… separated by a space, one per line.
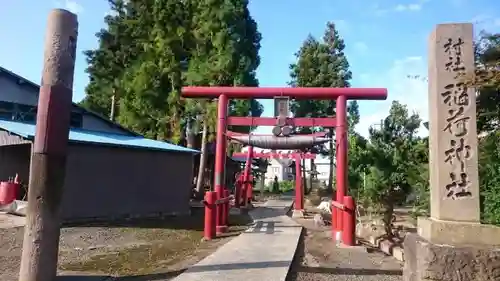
x=318 y=259
x=151 y=250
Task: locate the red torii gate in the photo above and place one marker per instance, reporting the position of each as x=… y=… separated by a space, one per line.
x=297 y=156
x=341 y=95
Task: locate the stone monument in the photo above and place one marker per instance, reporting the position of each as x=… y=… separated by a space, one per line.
x=452 y=244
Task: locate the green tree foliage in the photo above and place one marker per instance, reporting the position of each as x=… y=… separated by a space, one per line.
x=119 y=46
x=150 y=49
x=321 y=64
x=393 y=152
x=487 y=80
x=151 y=101
x=489 y=177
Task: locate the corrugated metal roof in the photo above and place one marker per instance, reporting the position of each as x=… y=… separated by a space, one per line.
x=27 y=130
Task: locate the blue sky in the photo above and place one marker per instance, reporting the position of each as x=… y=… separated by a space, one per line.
x=386 y=40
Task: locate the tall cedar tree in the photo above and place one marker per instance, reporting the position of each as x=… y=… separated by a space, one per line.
x=322 y=64
x=119 y=46
x=144 y=59
x=224 y=52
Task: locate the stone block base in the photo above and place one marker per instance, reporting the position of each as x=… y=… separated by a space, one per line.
x=458 y=233
x=426 y=261
x=298 y=214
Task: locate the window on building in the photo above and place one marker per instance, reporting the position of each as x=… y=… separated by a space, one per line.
x=276 y=170
x=76 y=120
x=6 y=106
x=27 y=113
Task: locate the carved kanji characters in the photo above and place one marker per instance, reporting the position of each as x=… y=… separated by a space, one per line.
x=458 y=188
x=458 y=151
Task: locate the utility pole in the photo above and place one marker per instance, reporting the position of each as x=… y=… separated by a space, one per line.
x=113 y=105
x=48 y=159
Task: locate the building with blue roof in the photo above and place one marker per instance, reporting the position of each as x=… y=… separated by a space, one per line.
x=110 y=172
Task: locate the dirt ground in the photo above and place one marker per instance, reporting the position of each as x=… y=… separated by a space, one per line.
x=146 y=249
x=319 y=259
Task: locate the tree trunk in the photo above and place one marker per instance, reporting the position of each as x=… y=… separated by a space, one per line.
x=190 y=135
x=388 y=218
x=113 y=107
x=311 y=176
x=203 y=159
x=330 y=177
x=262 y=184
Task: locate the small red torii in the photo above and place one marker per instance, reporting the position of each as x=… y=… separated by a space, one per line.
x=341 y=95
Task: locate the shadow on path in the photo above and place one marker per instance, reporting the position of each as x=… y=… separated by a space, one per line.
x=348 y=271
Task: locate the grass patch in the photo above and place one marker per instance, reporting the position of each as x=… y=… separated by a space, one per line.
x=161 y=243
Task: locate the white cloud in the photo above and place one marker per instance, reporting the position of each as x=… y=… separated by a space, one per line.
x=360 y=47
x=409 y=91
x=70 y=5
x=74 y=7
x=341 y=25
x=485 y=22
x=408 y=7
x=411 y=7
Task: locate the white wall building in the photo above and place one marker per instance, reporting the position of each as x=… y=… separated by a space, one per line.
x=283 y=169
x=322 y=167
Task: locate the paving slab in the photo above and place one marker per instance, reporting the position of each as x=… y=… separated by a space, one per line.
x=264 y=252
x=10 y=221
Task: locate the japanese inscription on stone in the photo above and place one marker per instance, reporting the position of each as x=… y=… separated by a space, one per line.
x=453 y=173
x=455 y=97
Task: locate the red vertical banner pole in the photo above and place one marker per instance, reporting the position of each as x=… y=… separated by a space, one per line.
x=246 y=176
x=220 y=157
x=299 y=194
x=341 y=159
x=349 y=221
x=223 y=220
x=250 y=190
x=210 y=215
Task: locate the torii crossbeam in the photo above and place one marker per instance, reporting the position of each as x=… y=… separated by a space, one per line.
x=341 y=95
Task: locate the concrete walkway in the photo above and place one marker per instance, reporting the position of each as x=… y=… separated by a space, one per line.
x=264 y=252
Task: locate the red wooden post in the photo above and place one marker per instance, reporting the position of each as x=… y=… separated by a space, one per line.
x=49 y=150
x=249 y=194
x=223 y=213
x=210 y=215
x=349 y=222
x=341 y=159
x=246 y=176
x=220 y=157
x=299 y=195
